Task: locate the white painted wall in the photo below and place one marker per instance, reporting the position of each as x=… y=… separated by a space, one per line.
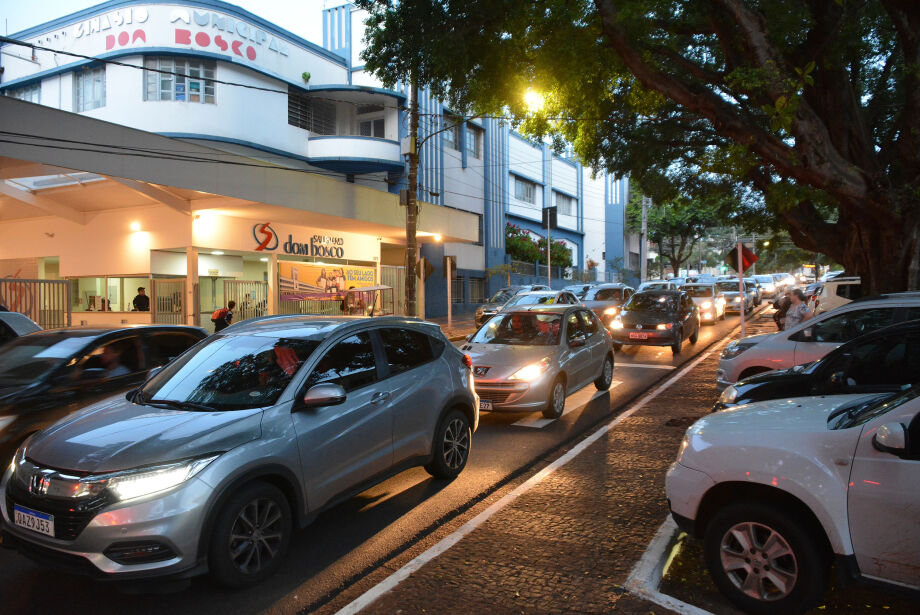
x=463 y=188
x=524 y=159
x=565 y=177
x=594 y=213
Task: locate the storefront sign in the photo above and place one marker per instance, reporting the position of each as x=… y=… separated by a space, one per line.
x=307 y=281
x=320 y=246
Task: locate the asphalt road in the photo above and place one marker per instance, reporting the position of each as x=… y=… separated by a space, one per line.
x=329 y=559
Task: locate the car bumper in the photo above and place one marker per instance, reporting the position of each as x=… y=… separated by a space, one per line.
x=655 y=337
x=685 y=488
x=511 y=396
x=173 y=519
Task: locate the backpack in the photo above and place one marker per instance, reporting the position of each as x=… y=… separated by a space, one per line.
x=219 y=314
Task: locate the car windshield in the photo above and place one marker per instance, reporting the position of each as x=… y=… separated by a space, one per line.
x=230 y=373
x=29 y=358
x=501 y=296
x=726 y=287
x=521 y=329
x=866 y=410
x=764 y=278
x=606 y=294
x=641 y=302
x=697 y=291
x=531 y=300
x=655 y=286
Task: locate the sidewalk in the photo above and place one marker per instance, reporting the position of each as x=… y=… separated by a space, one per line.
x=568 y=544
x=461 y=325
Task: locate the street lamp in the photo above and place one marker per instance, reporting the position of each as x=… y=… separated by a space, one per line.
x=533 y=100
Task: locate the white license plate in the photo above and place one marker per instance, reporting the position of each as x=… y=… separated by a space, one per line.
x=485 y=404
x=638 y=336
x=40 y=522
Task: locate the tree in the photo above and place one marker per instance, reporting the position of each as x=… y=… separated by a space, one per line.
x=676 y=227
x=806 y=114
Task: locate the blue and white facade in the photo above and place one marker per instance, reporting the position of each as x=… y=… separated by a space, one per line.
x=254 y=89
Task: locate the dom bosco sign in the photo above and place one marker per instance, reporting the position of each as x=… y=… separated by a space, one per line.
x=324 y=246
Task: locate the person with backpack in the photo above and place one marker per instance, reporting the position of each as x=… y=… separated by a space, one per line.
x=223 y=317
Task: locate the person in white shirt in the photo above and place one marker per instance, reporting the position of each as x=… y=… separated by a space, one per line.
x=799 y=311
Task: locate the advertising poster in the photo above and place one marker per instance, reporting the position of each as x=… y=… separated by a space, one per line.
x=308 y=281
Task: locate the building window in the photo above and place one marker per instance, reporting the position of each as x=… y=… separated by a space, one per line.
x=30 y=93
x=565 y=204
x=456 y=290
x=525 y=191
x=477 y=290
x=452 y=132
x=313 y=114
x=473 y=140
x=89 y=89
x=372 y=128
x=183 y=79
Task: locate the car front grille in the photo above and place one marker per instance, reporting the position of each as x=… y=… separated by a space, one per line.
x=496 y=397
x=70 y=516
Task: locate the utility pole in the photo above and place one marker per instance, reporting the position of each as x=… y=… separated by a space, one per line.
x=411 y=202
x=643 y=242
x=450 y=321
x=549 y=246
x=754 y=265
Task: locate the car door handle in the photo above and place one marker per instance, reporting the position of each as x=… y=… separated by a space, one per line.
x=380 y=397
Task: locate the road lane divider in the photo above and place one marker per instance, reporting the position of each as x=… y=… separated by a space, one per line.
x=449 y=541
x=646 y=365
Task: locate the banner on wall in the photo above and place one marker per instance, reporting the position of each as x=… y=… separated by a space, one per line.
x=308 y=281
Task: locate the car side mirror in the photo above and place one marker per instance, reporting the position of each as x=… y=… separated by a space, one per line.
x=92 y=373
x=891 y=438
x=578 y=342
x=323 y=395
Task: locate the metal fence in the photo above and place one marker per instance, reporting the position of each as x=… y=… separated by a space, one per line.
x=251 y=298
x=523 y=268
x=391 y=275
x=477 y=290
x=456 y=290
x=166 y=299
x=47 y=302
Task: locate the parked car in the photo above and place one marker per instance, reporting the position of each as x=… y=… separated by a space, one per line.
x=835 y=292
x=14 y=324
x=579 y=290
x=214 y=461
x=813 y=338
x=500 y=298
x=540 y=297
x=768 y=286
x=879 y=362
x=709 y=299
x=607 y=299
x=660 y=285
x=777 y=489
x=657 y=318
x=734 y=300
x=530 y=359
x=756 y=289
x=46 y=375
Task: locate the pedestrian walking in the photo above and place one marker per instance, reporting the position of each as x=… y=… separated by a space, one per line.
x=798 y=311
x=781 y=306
x=223 y=317
x=141 y=301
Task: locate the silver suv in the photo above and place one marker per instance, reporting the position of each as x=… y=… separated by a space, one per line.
x=215 y=459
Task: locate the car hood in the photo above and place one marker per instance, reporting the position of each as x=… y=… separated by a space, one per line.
x=116 y=434
x=749 y=422
x=651 y=318
x=503 y=359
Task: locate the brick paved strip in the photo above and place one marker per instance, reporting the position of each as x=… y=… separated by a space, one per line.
x=511 y=556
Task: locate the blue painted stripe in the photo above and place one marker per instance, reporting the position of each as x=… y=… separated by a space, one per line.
x=216 y=5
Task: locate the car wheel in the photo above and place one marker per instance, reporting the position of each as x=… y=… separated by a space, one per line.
x=764 y=560
x=251 y=536
x=603 y=381
x=675 y=347
x=451 y=446
x=555 y=405
x=695 y=336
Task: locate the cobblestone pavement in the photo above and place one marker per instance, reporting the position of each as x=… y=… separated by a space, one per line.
x=568 y=545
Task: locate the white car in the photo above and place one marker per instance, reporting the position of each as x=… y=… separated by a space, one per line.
x=659 y=285
x=778 y=488
x=814 y=338
x=836 y=292
x=709 y=299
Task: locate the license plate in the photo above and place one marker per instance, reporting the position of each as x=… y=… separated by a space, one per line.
x=485 y=404
x=633 y=335
x=40 y=522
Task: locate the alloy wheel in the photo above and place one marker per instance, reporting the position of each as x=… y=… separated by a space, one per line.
x=256 y=535
x=456 y=443
x=558 y=398
x=608 y=370
x=759 y=561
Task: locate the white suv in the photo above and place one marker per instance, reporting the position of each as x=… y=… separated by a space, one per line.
x=814 y=338
x=778 y=488
x=836 y=292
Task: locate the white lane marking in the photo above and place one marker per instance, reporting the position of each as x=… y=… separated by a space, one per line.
x=646 y=575
x=648 y=365
x=571 y=403
x=368 y=597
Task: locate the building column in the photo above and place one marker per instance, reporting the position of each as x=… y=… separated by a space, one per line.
x=272 y=306
x=191 y=287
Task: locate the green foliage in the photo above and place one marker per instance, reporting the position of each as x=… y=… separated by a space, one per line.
x=521 y=246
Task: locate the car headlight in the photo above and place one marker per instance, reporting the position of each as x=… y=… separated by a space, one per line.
x=737 y=299
x=664 y=325
x=531 y=372
x=611 y=311
x=735 y=348
x=729 y=395
x=706 y=305
x=617 y=323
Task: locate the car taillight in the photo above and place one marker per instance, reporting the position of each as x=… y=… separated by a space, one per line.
x=468 y=361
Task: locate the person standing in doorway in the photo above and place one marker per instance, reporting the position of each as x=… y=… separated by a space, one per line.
x=141 y=301
x=223 y=317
